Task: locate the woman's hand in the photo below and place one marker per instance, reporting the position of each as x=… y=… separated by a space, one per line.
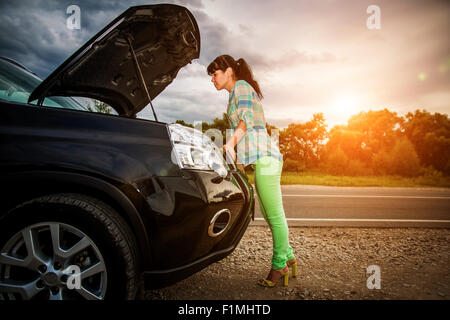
x=237 y=136
x=230 y=150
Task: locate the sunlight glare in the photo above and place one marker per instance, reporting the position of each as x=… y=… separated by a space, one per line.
x=346 y=105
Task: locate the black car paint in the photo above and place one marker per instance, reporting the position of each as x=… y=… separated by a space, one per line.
x=127 y=163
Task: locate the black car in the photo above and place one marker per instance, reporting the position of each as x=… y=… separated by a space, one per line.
x=95 y=205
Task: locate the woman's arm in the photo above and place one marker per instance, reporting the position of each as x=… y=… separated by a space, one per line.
x=235 y=138
x=237 y=135
x=244 y=104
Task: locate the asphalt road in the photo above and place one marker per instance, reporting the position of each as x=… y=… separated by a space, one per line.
x=364 y=206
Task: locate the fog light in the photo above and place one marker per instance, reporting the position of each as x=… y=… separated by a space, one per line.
x=219 y=222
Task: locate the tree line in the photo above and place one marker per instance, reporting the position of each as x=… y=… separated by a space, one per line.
x=377 y=142
x=371 y=143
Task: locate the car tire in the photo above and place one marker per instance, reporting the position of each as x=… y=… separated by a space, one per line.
x=62 y=231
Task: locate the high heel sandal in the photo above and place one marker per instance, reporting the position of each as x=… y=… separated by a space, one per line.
x=284 y=273
x=293 y=263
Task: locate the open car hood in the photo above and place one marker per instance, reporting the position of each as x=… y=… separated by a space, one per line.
x=160 y=38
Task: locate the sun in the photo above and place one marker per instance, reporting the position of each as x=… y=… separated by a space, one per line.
x=346 y=105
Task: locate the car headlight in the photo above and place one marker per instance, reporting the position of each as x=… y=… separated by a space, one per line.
x=194 y=150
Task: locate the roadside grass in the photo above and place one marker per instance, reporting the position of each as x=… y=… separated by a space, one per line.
x=317 y=178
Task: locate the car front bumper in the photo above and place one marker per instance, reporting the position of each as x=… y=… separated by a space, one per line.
x=193 y=246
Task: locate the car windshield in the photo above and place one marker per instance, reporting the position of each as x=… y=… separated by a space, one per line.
x=16 y=85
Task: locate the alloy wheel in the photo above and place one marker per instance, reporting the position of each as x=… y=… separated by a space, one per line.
x=54 y=261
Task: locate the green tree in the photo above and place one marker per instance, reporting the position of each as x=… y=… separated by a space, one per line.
x=381 y=163
x=217 y=123
x=365 y=140
x=220 y=124
x=337 y=162
x=430 y=135
x=100 y=107
x=293 y=165
x=378 y=129
x=351 y=142
x=303 y=142
x=184 y=123
x=403 y=159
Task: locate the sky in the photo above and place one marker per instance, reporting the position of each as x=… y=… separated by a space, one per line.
x=307 y=56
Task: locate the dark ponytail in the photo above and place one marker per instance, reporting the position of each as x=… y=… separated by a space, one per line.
x=241 y=70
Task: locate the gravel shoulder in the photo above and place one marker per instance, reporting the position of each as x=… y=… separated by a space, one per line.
x=414 y=264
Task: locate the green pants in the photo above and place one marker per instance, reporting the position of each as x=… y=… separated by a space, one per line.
x=267 y=180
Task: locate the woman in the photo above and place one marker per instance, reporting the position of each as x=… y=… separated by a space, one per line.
x=255 y=148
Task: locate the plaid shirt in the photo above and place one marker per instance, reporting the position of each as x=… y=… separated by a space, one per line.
x=244 y=104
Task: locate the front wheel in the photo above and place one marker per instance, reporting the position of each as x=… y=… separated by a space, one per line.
x=65 y=247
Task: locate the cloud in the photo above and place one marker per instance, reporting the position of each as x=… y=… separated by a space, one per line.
x=290 y=59
x=303 y=53
x=190 y=97
x=41 y=39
